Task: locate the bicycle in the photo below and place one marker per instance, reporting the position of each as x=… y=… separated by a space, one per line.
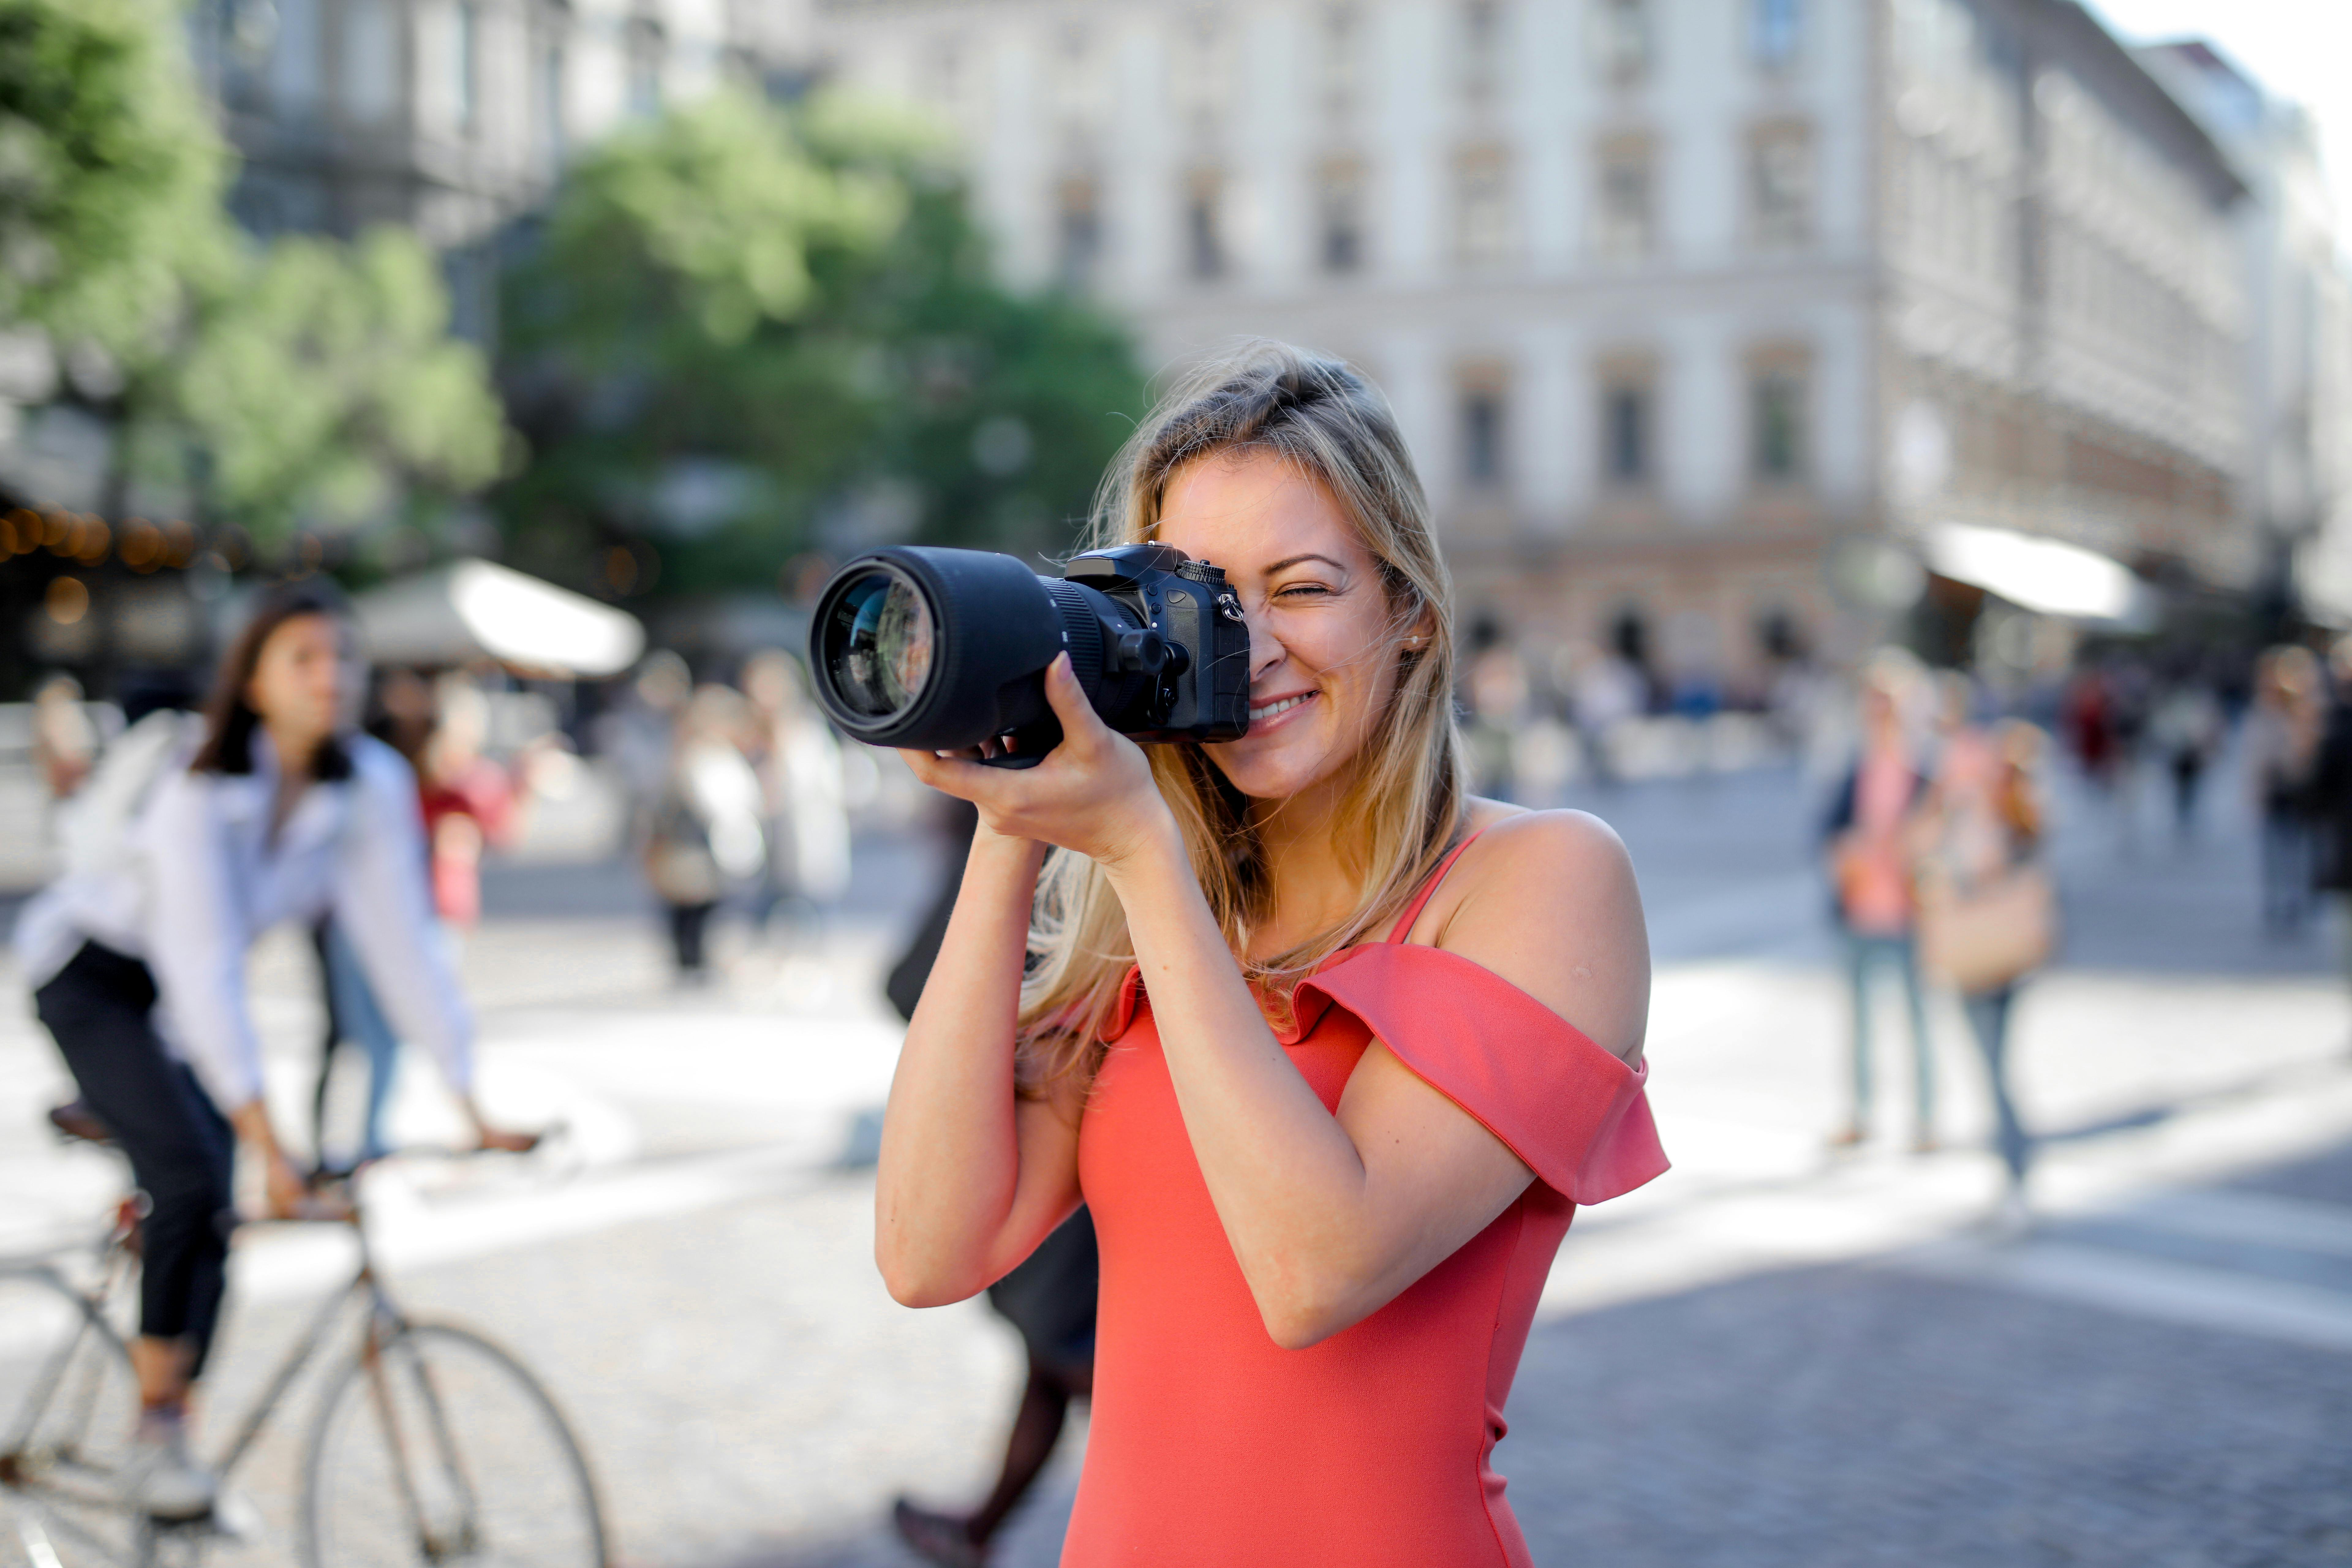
x=430 y=1444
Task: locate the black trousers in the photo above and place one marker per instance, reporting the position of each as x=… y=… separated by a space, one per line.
x=687 y=922
x=100 y=1008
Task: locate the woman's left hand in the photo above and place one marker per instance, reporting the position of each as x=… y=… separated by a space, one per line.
x=1093 y=793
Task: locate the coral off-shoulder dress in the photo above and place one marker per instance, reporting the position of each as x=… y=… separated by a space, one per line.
x=1208 y=1444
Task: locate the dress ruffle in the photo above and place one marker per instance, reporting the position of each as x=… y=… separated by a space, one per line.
x=1575 y=1113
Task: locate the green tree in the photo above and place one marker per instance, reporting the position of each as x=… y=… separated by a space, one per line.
x=305 y=381
x=110 y=173
x=328 y=386
x=748 y=330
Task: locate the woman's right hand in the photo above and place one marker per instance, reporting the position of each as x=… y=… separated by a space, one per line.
x=283 y=1189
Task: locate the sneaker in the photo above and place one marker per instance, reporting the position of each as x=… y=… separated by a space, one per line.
x=162 y=1482
x=939 y=1538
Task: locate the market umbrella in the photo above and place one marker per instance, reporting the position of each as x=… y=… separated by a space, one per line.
x=470 y=610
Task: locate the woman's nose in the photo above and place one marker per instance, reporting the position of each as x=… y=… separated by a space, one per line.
x=1265 y=651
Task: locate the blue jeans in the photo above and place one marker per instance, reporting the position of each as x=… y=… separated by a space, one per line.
x=1988 y=1014
x=1864 y=954
x=361 y=1020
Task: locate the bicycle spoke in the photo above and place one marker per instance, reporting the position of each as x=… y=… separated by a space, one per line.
x=468 y=1463
x=68 y=1402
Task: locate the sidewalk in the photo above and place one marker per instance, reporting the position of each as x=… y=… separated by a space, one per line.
x=1768 y=1356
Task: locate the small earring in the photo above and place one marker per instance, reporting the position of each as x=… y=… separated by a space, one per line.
x=1416 y=643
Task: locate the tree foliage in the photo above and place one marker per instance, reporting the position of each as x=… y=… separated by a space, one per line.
x=331 y=378
x=306 y=381
x=748 y=330
x=110 y=172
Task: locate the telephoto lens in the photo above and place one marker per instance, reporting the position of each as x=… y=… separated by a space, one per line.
x=942 y=649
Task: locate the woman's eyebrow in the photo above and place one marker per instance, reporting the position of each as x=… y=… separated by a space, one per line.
x=1289 y=561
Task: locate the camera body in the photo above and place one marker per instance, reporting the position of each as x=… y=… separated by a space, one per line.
x=1201 y=690
x=935 y=648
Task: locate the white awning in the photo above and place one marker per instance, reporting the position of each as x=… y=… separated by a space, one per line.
x=2044 y=575
x=470 y=610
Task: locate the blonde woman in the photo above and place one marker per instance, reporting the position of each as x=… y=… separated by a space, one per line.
x=1332 y=1050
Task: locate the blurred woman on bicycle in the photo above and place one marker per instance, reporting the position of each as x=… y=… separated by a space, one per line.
x=278 y=812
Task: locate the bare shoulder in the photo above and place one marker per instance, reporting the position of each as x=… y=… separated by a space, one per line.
x=1534 y=859
x=1547 y=901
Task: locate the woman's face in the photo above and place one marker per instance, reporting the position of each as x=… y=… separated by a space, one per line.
x=1323 y=638
x=302 y=683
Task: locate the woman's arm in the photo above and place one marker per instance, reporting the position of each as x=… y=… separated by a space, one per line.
x=195 y=949
x=971 y=1177
x=1329 y=1218
x=1332 y=1216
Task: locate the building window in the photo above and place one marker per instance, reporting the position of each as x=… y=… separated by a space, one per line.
x=1776 y=416
x=1342 y=60
x=1484 y=430
x=550 y=104
x=1482 y=207
x=1077 y=232
x=1482 y=48
x=1621 y=39
x=1080 y=83
x=1204 y=231
x=1773 y=30
x=1624 y=226
x=1340 y=215
x=1628 y=424
x=1203 y=65
x=466 y=69
x=645 y=86
x=1781 y=185
x=371 y=69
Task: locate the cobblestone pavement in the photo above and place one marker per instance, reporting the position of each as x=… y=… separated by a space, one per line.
x=1767 y=1357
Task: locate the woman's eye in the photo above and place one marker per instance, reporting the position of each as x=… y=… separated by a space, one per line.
x=1298 y=589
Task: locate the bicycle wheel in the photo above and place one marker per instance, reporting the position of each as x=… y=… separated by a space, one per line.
x=69 y=1402
x=435 y=1447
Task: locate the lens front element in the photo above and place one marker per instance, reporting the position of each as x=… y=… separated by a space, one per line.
x=879 y=643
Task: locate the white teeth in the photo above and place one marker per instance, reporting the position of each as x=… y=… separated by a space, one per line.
x=1284 y=706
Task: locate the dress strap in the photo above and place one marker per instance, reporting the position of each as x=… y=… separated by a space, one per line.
x=1429 y=888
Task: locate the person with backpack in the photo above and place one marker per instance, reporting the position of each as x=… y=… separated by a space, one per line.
x=276 y=812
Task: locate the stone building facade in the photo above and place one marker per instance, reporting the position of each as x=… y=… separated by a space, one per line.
x=452 y=117
x=2298 y=342
x=1673 y=297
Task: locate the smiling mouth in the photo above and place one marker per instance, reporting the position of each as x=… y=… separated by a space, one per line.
x=1260 y=715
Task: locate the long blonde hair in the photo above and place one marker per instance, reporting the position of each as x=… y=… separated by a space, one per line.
x=1405 y=804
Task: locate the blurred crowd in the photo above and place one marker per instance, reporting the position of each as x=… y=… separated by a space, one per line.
x=737 y=791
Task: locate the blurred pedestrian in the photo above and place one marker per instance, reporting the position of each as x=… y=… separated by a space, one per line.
x=2185 y=733
x=469 y=804
x=1871 y=836
x=65 y=741
x=706 y=837
x=1987 y=918
x=1049 y=1298
x=1497 y=692
x=638 y=734
x=138 y=970
x=2283 y=735
x=2330 y=800
x=1605 y=689
x=803 y=783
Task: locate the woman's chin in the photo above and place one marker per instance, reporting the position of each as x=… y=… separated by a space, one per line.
x=1273 y=771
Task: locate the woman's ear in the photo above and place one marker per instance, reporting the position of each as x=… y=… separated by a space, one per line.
x=1418 y=634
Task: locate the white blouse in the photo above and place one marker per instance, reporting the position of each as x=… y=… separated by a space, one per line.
x=200 y=880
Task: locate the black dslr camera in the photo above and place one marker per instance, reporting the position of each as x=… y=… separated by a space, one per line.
x=920 y=647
